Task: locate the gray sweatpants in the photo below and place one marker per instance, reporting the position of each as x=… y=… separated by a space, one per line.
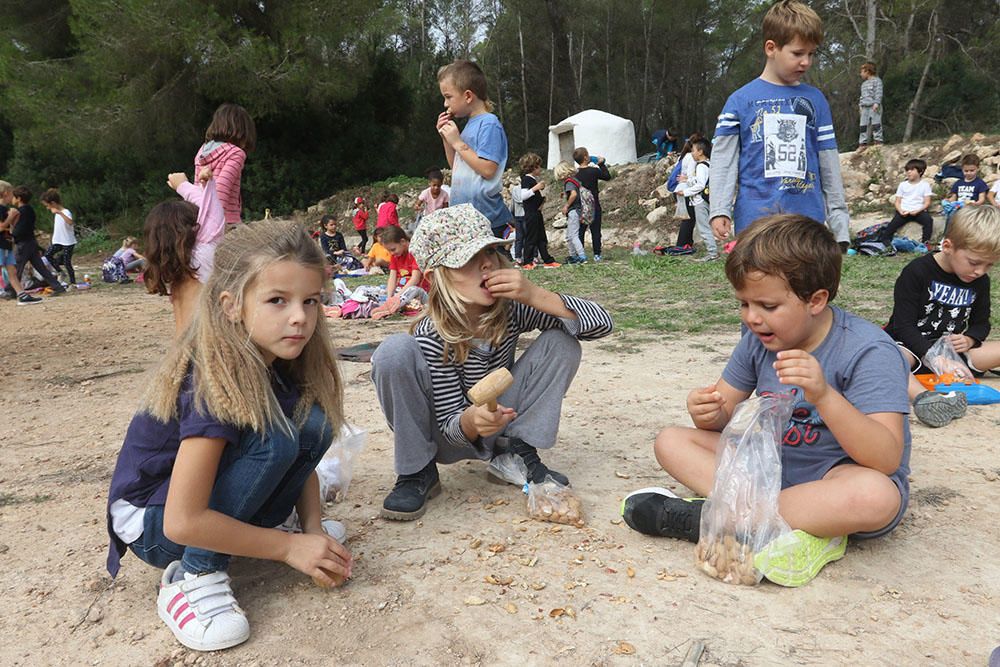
x=542 y=375
x=871 y=117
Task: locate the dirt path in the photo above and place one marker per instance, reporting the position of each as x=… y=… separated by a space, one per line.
x=601 y=595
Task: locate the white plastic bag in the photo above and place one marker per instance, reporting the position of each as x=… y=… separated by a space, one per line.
x=546 y=501
x=337 y=467
x=944 y=360
x=741 y=515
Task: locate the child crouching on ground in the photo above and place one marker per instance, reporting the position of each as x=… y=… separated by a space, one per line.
x=846 y=450
x=227 y=442
x=479 y=305
x=948 y=294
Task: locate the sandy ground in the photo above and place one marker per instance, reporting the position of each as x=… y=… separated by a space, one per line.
x=422 y=591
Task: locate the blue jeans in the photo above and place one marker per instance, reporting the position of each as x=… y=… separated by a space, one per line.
x=259 y=481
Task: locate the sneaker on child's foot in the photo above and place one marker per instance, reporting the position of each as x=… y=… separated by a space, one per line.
x=937 y=410
x=408 y=499
x=527 y=267
x=201 y=610
x=25 y=299
x=537 y=471
x=551 y=265
x=598 y=258
x=660 y=512
x=675 y=250
x=795 y=558
x=710 y=257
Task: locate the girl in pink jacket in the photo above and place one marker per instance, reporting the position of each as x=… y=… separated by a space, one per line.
x=228 y=139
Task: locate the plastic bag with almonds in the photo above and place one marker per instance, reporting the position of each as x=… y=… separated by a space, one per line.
x=548 y=500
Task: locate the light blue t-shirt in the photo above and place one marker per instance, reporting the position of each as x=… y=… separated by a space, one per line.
x=861 y=362
x=781 y=131
x=486 y=137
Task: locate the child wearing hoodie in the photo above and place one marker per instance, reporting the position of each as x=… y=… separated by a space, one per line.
x=228 y=139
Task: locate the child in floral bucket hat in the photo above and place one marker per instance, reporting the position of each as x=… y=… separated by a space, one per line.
x=478 y=306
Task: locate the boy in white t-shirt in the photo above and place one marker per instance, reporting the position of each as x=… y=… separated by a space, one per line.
x=913 y=197
x=60 y=252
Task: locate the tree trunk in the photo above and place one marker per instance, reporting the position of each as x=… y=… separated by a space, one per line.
x=911 y=113
x=524 y=80
x=870 y=30
x=552 y=73
x=607 y=58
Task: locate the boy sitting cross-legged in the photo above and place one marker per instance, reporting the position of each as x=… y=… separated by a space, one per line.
x=846 y=449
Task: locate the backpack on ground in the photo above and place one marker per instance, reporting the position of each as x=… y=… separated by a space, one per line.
x=113 y=270
x=867 y=242
x=586 y=202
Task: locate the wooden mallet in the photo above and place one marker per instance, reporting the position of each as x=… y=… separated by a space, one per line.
x=486 y=391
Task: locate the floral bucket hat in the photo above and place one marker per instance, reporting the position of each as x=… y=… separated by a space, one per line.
x=451 y=237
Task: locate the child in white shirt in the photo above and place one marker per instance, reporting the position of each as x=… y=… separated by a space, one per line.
x=60 y=252
x=913 y=197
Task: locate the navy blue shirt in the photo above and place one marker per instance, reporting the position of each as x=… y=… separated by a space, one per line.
x=146 y=459
x=969 y=190
x=24 y=228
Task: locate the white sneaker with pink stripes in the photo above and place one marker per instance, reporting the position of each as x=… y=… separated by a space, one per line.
x=201 y=611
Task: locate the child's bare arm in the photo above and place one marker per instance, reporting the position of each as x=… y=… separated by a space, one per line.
x=872 y=440
x=390 y=286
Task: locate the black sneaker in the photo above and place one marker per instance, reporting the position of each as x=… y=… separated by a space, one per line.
x=25 y=299
x=659 y=512
x=408 y=499
x=537 y=471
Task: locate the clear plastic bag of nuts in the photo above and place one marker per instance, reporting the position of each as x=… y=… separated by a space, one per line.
x=741 y=515
x=546 y=501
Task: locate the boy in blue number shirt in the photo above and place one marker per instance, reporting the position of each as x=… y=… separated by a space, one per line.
x=775 y=139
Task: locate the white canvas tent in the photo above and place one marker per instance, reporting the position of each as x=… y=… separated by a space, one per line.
x=600 y=132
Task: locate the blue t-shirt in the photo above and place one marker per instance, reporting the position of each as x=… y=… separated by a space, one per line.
x=146 y=460
x=782 y=129
x=486 y=137
x=969 y=190
x=861 y=363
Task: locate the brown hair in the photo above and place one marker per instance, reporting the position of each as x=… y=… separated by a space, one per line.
x=393 y=234
x=870 y=68
x=794 y=247
x=170 y=230
x=22 y=193
x=970 y=160
x=977 y=229
x=51 y=196
x=467 y=75
x=916 y=163
x=580 y=155
x=528 y=163
x=788 y=19
x=231 y=123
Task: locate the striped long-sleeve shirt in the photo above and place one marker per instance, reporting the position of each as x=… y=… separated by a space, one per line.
x=451 y=382
x=226 y=161
x=871 y=92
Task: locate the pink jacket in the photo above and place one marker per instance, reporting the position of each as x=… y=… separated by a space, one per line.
x=226 y=161
x=211 y=225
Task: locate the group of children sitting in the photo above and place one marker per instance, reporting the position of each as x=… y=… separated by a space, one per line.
x=249 y=398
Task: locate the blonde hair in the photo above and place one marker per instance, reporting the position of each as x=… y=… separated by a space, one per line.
x=788 y=19
x=977 y=229
x=564 y=170
x=5 y=187
x=231 y=380
x=446 y=308
x=467 y=75
x=128 y=241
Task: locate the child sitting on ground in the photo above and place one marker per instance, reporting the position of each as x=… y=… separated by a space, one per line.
x=948 y=294
x=335 y=247
x=60 y=251
x=226 y=443
x=130 y=256
x=479 y=306
x=913 y=198
x=405 y=275
x=846 y=450
x=378 y=258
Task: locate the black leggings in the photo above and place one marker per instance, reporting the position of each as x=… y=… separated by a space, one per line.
x=28 y=251
x=62 y=255
x=685 y=235
x=363 y=233
x=899 y=220
x=595 y=231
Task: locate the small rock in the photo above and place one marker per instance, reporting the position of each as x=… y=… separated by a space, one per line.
x=95 y=615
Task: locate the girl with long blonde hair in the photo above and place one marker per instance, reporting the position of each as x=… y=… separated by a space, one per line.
x=227 y=440
x=478 y=306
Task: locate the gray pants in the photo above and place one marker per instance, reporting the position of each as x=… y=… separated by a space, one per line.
x=542 y=376
x=573 y=243
x=870 y=117
x=701 y=221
